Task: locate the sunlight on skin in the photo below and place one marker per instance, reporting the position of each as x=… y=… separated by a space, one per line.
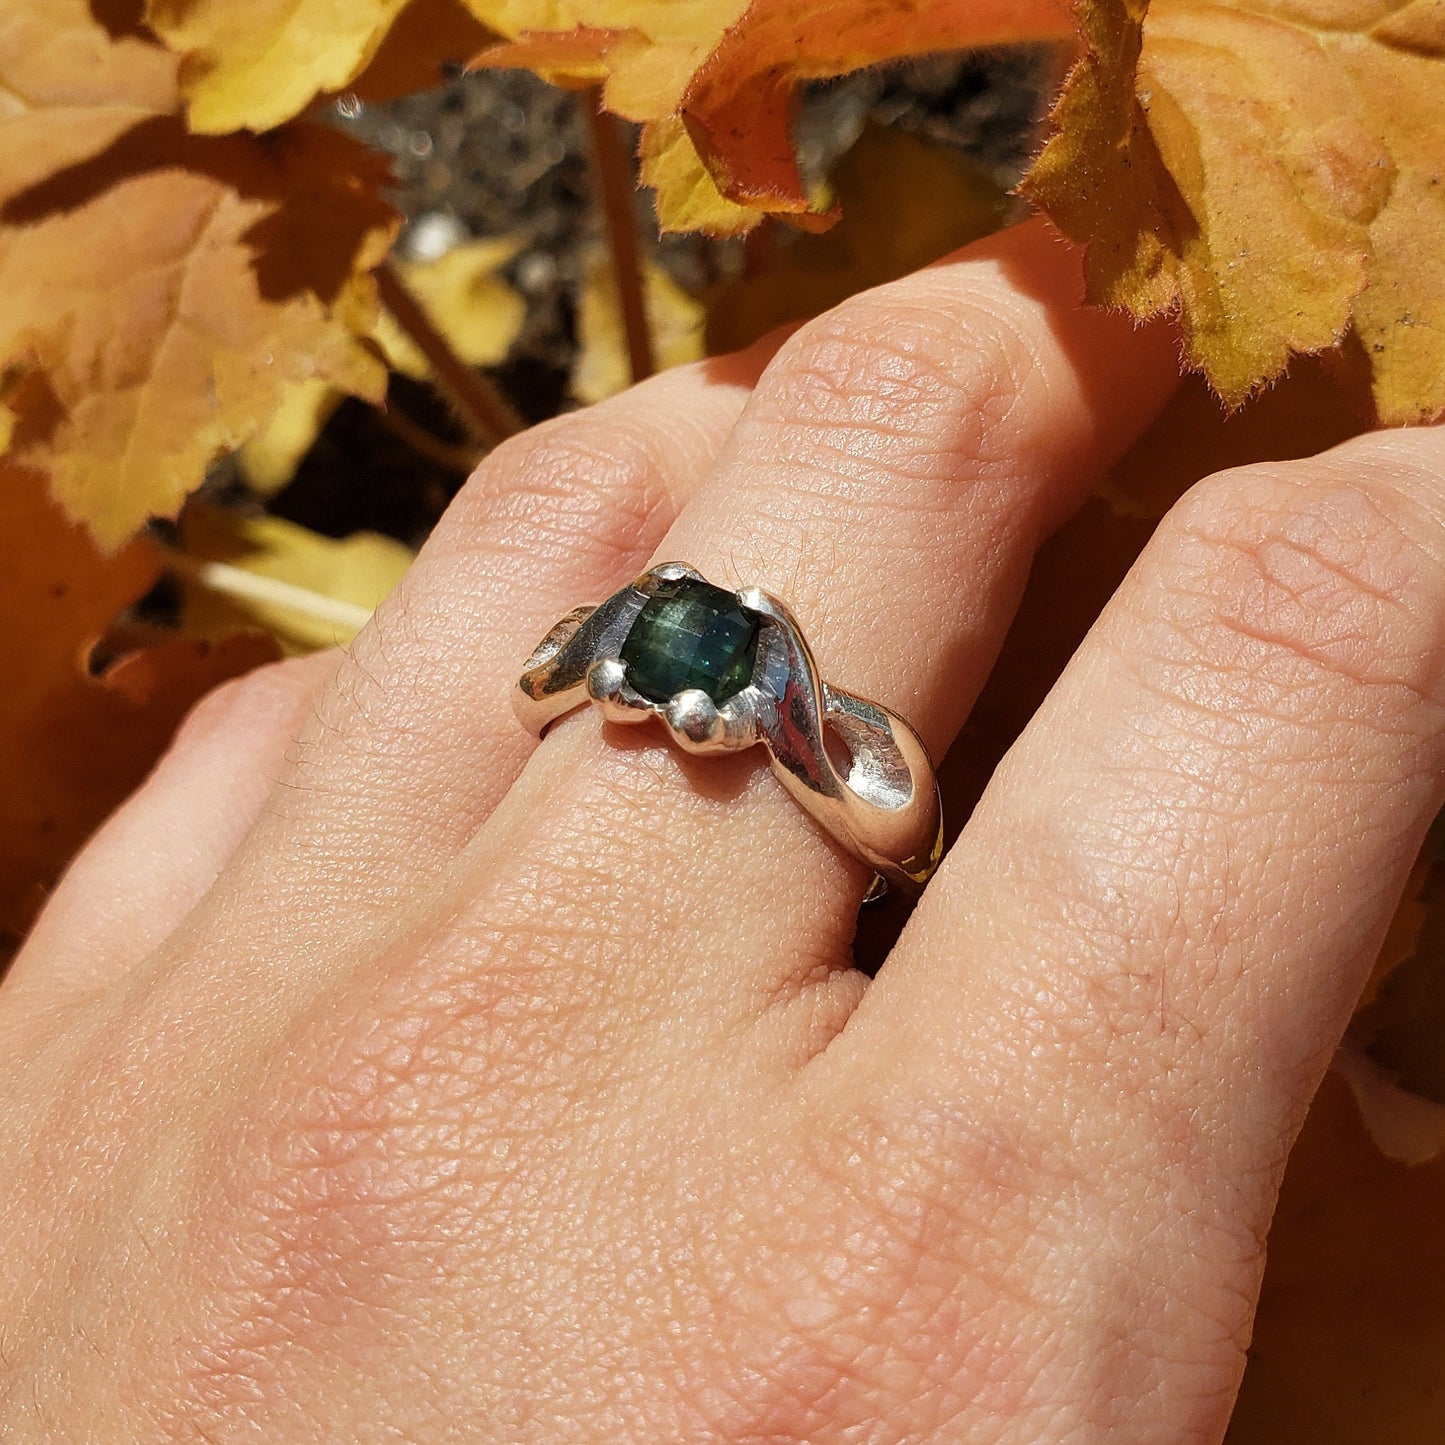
x=452 y=1083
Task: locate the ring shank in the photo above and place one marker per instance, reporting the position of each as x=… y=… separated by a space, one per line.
x=882 y=806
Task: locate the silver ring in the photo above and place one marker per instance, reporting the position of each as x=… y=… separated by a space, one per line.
x=724 y=671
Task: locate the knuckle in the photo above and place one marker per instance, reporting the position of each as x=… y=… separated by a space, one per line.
x=900 y=363
x=1313 y=573
x=272 y=692
x=591 y=483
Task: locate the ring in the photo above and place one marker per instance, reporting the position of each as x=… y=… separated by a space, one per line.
x=724 y=671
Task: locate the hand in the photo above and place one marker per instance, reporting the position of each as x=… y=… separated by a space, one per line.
x=378 y=1074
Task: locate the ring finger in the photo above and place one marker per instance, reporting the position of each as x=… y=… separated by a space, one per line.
x=890 y=479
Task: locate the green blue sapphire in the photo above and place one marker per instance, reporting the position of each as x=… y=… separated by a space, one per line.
x=691 y=634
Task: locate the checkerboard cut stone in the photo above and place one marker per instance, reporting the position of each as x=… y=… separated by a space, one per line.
x=691 y=634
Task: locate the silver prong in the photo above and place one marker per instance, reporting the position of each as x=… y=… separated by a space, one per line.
x=674 y=571
x=607 y=687
x=756 y=600
x=693 y=720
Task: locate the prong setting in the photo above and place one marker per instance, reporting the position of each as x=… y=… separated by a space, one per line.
x=720 y=681
x=695 y=722
x=608 y=689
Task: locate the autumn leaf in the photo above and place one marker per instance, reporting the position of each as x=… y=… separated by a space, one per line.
x=269 y=459
x=1351 y=1323
x=675 y=319
x=905 y=202
x=73 y=744
x=254 y=64
x=687 y=196
x=257 y=64
x=1272 y=170
x=163 y=289
x=466 y=299
x=328 y=586
x=714 y=82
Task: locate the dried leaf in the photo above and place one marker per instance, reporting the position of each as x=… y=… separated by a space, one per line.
x=714 y=82
x=1272 y=169
x=675 y=319
x=73 y=745
x=165 y=289
x=356 y=572
x=905 y=202
x=465 y=299
x=256 y=64
x=1351 y=1324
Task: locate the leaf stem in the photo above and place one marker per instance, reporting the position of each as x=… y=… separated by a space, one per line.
x=232 y=581
x=462 y=459
x=479 y=406
x=612 y=171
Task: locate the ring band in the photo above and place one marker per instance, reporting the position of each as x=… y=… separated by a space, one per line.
x=724 y=671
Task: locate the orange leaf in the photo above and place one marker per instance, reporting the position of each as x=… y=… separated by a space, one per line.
x=1351 y=1324
x=73 y=745
x=714 y=82
x=738 y=106
x=1271 y=169
x=166 y=289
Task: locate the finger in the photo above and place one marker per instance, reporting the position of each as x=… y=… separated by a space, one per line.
x=889 y=479
x=414 y=739
x=157 y=855
x=1133 y=967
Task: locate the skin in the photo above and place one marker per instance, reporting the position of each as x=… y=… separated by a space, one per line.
x=378 y=1074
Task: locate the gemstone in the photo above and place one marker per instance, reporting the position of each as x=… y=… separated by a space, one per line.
x=691 y=634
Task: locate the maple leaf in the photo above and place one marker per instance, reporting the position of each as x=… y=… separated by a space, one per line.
x=1272 y=170
x=74 y=744
x=714 y=82
x=163 y=288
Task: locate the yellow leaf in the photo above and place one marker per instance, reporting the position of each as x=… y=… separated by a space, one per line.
x=164 y=291
x=307 y=590
x=675 y=319
x=1351 y=1325
x=465 y=299
x=905 y=202
x=73 y=744
x=687 y=196
x=270 y=458
x=255 y=64
x=725 y=74
x=68 y=88
x=1270 y=168
x=427 y=36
